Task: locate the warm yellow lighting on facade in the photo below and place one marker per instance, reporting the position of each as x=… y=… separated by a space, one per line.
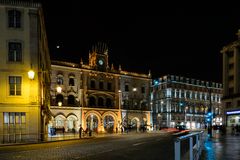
x=60 y=103
x=31 y=74
x=59 y=89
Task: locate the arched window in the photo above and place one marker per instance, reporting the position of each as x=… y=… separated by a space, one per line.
x=59 y=120
x=92 y=101
x=59 y=98
x=71 y=81
x=100 y=101
x=71 y=100
x=60 y=79
x=109 y=102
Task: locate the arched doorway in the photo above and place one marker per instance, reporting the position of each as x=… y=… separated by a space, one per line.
x=134 y=124
x=71 y=123
x=59 y=121
x=109 y=124
x=92 y=123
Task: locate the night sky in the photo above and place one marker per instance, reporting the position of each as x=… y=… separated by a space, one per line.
x=166 y=40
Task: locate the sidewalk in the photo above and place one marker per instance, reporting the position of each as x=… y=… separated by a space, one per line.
x=221 y=147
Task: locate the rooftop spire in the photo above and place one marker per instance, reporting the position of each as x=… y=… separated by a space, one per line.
x=100 y=48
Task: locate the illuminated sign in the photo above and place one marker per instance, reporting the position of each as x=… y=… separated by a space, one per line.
x=233 y=112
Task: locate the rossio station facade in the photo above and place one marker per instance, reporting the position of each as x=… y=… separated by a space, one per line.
x=98 y=97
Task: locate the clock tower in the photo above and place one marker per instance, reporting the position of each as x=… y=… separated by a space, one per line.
x=98 y=57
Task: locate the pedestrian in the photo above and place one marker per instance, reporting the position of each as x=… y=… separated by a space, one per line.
x=122 y=130
x=237 y=130
x=233 y=130
x=80 y=131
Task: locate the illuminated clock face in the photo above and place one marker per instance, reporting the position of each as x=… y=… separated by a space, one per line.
x=100 y=62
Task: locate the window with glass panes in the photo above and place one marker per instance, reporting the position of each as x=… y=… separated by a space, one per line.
x=60 y=80
x=14 y=19
x=14 y=123
x=15 y=85
x=14 y=52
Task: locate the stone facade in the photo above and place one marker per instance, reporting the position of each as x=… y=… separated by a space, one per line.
x=99 y=97
x=181 y=100
x=231 y=81
x=24 y=102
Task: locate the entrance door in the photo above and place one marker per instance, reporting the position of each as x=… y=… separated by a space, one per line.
x=109 y=124
x=92 y=123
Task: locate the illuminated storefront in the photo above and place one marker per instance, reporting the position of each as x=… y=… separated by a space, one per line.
x=233 y=118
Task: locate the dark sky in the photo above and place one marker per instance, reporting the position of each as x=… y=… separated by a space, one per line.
x=166 y=40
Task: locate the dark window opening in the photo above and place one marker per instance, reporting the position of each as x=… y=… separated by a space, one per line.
x=92 y=101
x=14 y=52
x=92 y=85
x=100 y=101
x=109 y=86
x=109 y=102
x=71 y=100
x=14 y=19
x=100 y=85
x=71 y=81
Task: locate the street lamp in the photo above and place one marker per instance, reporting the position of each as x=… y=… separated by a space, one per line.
x=119 y=108
x=59 y=89
x=209 y=114
x=185 y=110
x=159 y=121
x=31 y=74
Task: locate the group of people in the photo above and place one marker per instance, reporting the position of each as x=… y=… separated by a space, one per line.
x=81 y=131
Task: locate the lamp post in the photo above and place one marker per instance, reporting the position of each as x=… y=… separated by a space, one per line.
x=59 y=90
x=133 y=97
x=159 y=121
x=119 y=108
x=185 y=115
x=209 y=114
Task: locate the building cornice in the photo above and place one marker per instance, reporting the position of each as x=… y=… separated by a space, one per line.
x=85 y=68
x=20 y=3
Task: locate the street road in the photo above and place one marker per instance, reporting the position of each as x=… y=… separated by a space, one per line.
x=150 y=146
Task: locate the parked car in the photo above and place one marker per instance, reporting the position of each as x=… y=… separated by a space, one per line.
x=180 y=127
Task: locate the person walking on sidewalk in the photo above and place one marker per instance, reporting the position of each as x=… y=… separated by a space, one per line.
x=80 y=131
x=233 y=130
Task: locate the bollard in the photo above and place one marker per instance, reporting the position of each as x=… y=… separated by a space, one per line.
x=177 y=150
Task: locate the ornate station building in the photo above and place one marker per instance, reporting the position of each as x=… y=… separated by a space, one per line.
x=97 y=96
x=185 y=101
